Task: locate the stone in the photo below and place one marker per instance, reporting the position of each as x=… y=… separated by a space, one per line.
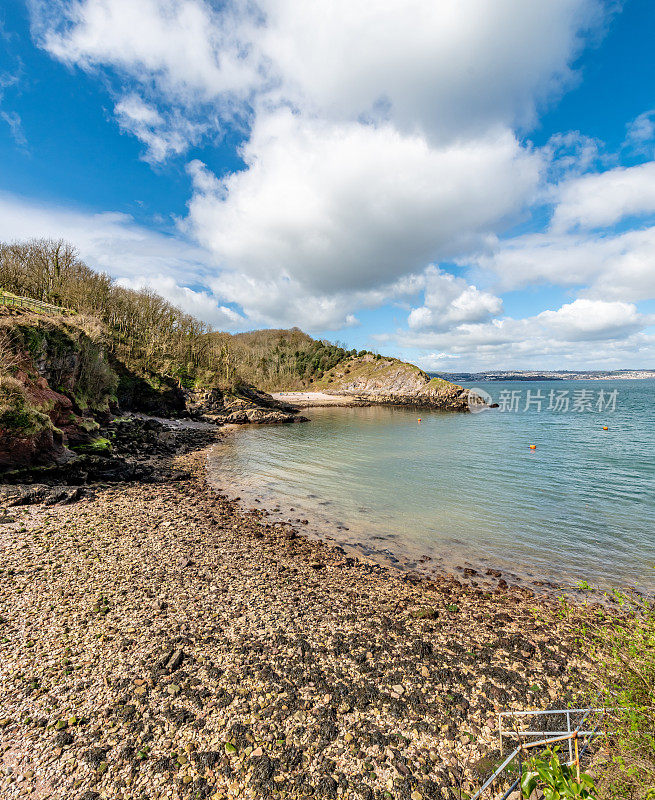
x=176 y=659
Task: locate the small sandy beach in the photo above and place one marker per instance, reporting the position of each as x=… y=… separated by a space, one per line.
x=317 y=399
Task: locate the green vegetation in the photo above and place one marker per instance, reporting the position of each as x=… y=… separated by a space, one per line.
x=99 y=446
x=555 y=780
x=151 y=340
x=279 y=359
x=625 y=658
x=17 y=415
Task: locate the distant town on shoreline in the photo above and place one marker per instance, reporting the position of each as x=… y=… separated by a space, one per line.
x=546 y=375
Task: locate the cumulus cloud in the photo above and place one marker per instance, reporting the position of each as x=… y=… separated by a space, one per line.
x=452 y=301
x=603 y=265
x=602 y=199
x=279 y=301
x=109 y=241
x=134 y=255
x=199 y=303
x=188 y=50
x=352 y=206
x=449 y=67
x=592 y=320
x=578 y=332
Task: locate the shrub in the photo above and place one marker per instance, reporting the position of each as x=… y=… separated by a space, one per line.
x=625 y=671
x=555 y=780
x=16 y=413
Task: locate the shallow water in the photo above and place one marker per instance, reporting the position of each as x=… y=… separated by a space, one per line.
x=458 y=488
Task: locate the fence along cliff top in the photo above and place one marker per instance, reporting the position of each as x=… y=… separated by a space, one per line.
x=14 y=301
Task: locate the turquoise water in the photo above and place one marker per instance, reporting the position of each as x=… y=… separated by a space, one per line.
x=454 y=489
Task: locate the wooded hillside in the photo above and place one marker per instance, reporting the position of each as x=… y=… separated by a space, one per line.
x=152 y=337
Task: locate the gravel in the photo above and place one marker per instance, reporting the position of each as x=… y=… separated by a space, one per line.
x=158 y=641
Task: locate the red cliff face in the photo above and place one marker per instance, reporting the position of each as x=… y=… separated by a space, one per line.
x=45 y=402
x=42 y=447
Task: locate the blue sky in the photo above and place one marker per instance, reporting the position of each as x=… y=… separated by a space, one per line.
x=465 y=184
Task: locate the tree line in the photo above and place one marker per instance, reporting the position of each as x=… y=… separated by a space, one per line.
x=151 y=335
x=146 y=332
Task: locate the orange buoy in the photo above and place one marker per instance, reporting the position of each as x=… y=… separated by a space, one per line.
x=605 y=428
x=533 y=447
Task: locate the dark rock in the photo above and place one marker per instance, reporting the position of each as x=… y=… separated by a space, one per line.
x=262 y=771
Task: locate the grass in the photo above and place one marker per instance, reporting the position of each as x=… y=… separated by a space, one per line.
x=17 y=416
x=97 y=447
x=624 y=656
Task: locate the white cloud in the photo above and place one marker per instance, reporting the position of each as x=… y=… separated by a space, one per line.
x=604 y=266
x=578 y=333
x=452 y=301
x=352 y=206
x=187 y=49
x=640 y=134
x=452 y=67
x=199 y=303
x=592 y=320
x=572 y=153
x=280 y=302
x=162 y=137
x=109 y=241
x=115 y=244
x=602 y=199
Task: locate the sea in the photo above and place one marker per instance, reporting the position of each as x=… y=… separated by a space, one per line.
x=557 y=484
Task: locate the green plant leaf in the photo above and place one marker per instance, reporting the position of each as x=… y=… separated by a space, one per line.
x=529 y=783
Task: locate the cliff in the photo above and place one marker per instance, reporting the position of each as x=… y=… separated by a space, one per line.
x=61 y=380
x=376 y=379
x=55 y=384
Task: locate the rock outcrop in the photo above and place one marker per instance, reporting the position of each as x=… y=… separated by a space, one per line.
x=243 y=405
x=389 y=381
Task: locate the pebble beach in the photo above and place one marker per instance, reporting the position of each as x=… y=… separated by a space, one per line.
x=157 y=640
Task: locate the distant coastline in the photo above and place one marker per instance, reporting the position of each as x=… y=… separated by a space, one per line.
x=546 y=375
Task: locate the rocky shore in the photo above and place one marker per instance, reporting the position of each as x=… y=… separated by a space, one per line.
x=158 y=641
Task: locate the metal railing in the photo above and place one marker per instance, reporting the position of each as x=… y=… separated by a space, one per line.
x=30 y=303
x=548 y=738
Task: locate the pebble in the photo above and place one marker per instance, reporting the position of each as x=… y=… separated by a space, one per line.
x=260 y=667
